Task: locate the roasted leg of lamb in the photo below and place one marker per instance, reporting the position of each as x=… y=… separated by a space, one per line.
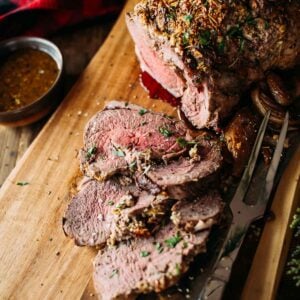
x=208 y=52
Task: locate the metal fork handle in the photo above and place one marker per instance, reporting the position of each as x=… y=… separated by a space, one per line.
x=216 y=283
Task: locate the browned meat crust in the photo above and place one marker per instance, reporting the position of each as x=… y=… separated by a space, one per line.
x=214 y=49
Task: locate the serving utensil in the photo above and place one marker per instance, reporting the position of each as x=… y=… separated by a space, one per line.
x=244 y=212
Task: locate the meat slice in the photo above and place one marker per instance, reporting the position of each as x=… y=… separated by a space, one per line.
x=112 y=210
x=120 y=138
x=89 y=218
x=160 y=156
x=198 y=214
x=148 y=264
x=208 y=54
x=186 y=177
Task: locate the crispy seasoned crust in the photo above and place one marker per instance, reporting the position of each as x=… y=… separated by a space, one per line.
x=211 y=33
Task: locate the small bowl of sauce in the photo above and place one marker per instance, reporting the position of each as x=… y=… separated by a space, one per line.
x=30 y=78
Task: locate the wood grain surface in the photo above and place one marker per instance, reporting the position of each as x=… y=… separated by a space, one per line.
x=37 y=260
x=14 y=143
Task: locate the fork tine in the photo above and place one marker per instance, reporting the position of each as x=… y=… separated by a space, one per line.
x=276 y=158
x=247 y=175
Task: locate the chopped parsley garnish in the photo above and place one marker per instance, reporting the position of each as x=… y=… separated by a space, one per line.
x=177 y=269
x=173 y=241
x=132 y=165
x=221 y=46
x=159 y=247
x=182 y=142
x=121 y=205
x=118 y=152
x=165 y=132
x=145 y=253
x=267 y=24
x=110 y=202
x=113 y=273
x=250 y=20
x=168 y=117
x=234 y=31
x=91 y=151
x=204 y=38
x=142 y=111
x=171 y=15
x=188 y=18
x=185 y=38
x=126 y=104
x=185 y=244
x=22 y=183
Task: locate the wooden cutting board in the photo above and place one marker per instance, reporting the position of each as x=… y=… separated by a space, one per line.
x=37 y=261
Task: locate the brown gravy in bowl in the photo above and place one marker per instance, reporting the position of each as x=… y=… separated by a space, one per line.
x=25 y=76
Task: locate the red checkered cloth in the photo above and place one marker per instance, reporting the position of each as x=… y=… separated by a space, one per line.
x=40 y=17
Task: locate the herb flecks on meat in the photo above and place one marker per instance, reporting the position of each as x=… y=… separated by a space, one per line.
x=90 y=152
x=230 y=29
x=142 y=111
x=165 y=131
x=118 y=152
x=173 y=241
x=145 y=253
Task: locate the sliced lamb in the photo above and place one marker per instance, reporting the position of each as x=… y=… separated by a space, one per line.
x=112 y=210
x=209 y=52
x=186 y=177
x=198 y=214
x=161 y=156
x=119 y=138
x=146 y=264
x=138 y=164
